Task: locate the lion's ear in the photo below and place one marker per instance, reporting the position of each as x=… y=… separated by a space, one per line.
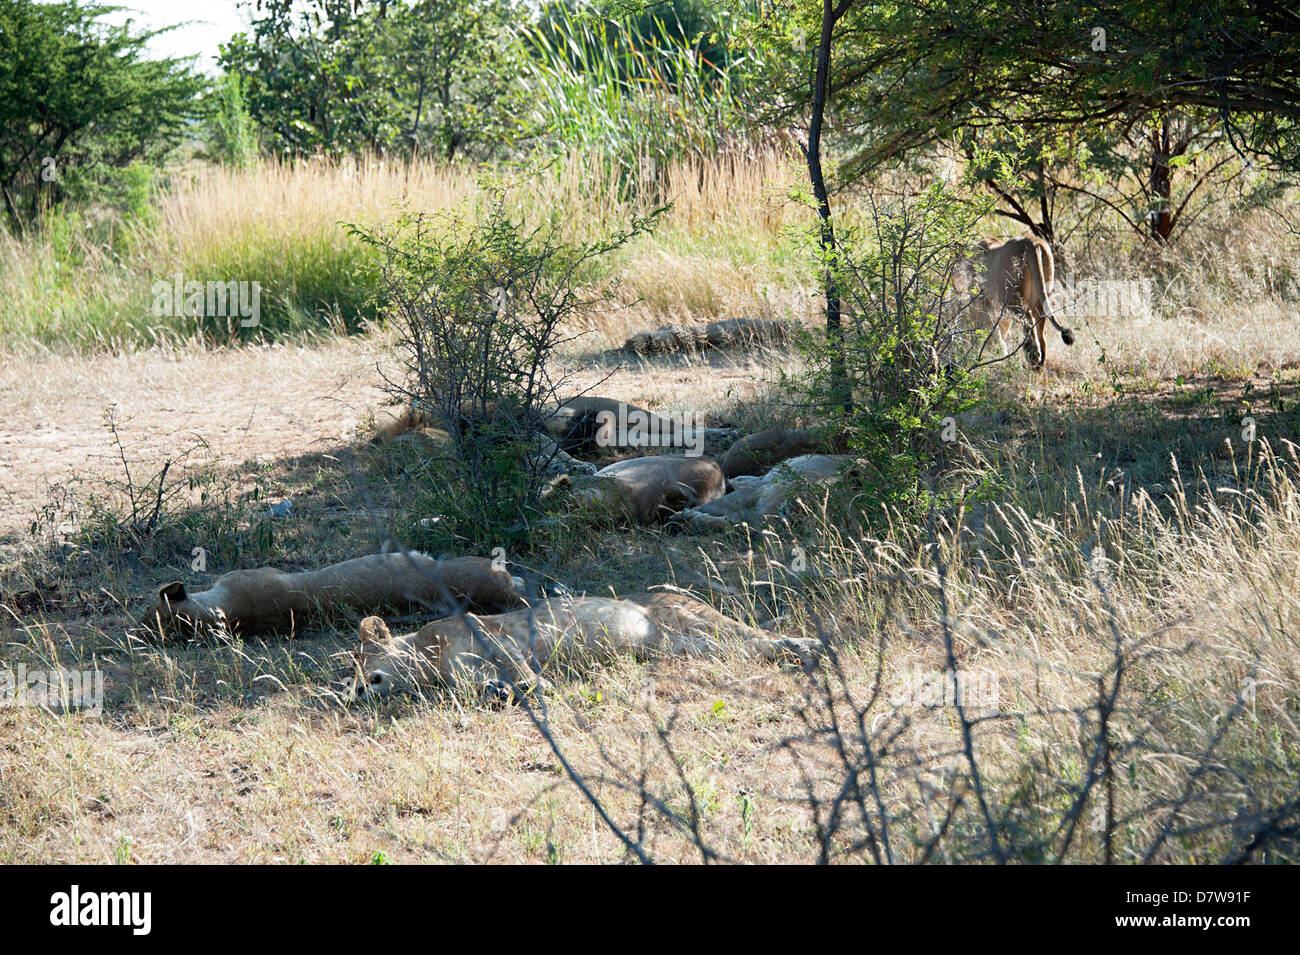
x=173 y=592
x=374 y=630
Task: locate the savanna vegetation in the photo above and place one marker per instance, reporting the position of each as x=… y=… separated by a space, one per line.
x=468 y=206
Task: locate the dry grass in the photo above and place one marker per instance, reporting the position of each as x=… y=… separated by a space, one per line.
x=1116 y=514
x=85 y=282
x=231 y=752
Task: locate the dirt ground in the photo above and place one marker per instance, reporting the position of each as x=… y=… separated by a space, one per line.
x=250 y=405
x=255 y=404
x=279 y=407
x=236 y=751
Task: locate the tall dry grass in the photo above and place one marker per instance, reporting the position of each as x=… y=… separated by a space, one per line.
x=1142 y=708
x=84 y=283
x=1131 y=668
x=1127 y=567
x=728 y=246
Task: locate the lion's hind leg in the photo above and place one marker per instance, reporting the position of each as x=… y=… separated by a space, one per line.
x=701 y=631
x=1035 y=342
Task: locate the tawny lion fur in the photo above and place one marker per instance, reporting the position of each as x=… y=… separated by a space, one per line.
x=757 y=453
x=267 y=600
x=513 y=649
x=755 y=500
x=1014 y=275
x=651 y=489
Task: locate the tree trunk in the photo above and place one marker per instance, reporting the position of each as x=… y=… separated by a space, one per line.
x=1162 y=181
x=415 y=127
x=840 y=390
x=1046 y=229
x=14 y=216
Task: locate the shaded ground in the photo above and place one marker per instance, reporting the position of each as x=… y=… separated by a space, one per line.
x=232 y=752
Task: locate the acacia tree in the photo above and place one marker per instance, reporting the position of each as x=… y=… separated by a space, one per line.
x=832 y=11
x=1171 y=144
x=915 y=74
x=78 y=101
x=1146 y=170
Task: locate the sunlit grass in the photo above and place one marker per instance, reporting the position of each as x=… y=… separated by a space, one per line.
x=280 y=225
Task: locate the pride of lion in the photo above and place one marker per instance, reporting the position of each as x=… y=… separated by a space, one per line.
x=484 y=631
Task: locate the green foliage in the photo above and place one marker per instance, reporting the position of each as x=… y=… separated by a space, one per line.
x=639 y=92
x=230 y=135
x=457 y=86
x=315 y=76
x=482 y=300
x=316 y=282
x=1107 y=111
x=910 y=355
x=1150 y=174
x=697 y=22
x=910 y=74
x=79 y=102
x=338 y=77
x=102 y=207
x=484 y=80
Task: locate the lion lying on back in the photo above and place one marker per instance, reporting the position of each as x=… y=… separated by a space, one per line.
x=265 y=600
x=508 y=652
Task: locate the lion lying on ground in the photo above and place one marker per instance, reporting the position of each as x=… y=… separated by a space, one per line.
x=585 y=425
x=509 y=652
x=651 y=489
x=1013 y=275
x=756 y=453
x=755 y=500
x=728 y=333
x=392 y=424
x=590 y=424
x=267 y=600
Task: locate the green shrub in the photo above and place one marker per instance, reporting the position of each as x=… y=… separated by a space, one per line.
x=481 y=301
x=910 y=355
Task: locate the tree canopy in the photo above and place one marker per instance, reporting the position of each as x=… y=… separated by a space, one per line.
x=78 y=99
x=909 y=73
x=338 y=76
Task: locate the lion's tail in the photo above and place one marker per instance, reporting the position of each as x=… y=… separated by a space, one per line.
x=1067 y=336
